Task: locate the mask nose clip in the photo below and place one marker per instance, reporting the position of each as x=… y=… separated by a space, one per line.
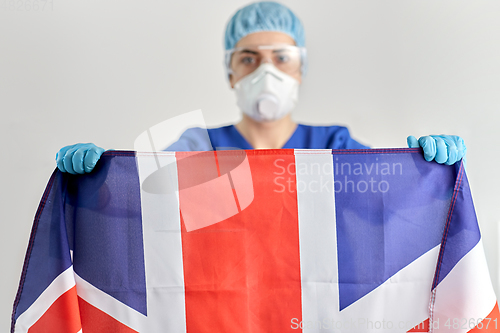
x=264 y=73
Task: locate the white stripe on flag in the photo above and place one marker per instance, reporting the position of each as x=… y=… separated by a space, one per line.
x=401 y=302
x=162 y=245
x=469 y=286
x=403 y=299
x=108 y=304
x=61 y=284
x=317 y=235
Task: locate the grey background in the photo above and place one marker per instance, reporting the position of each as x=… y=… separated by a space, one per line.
x=104 y=71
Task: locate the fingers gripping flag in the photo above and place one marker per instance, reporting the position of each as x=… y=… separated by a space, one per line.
x=257 y=241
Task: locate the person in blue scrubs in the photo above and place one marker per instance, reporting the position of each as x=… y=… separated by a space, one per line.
x=304 y=137
x=265 y=61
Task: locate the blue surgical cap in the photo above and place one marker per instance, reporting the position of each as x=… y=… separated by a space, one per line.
x=263 y=16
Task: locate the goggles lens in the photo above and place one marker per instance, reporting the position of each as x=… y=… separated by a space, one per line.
x=242 y=61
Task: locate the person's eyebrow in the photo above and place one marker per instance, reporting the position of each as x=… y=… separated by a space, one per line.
x=249 y=51
x=280 y=50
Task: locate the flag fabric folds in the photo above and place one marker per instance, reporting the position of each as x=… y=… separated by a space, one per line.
x=257 y=241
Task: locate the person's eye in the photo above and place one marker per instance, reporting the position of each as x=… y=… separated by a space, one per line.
x=283 y=58
x=247 y=60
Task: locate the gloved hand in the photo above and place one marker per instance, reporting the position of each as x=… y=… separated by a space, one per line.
x=446 y=149
x=79 y=158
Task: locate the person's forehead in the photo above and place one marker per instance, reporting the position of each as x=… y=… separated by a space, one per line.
x=265 y=38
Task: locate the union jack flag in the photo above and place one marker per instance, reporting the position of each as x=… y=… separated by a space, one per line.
x=257 y=241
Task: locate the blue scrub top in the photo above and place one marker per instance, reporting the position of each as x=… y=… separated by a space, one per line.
x=304 y=137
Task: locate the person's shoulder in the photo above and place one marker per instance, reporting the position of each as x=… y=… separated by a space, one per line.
x=196 y=132
x=220 y=129
x=325 y=132
x=323 y=129
x=330 y=136
x=192 y=139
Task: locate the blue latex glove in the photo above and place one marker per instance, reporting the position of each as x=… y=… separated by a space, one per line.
x=446 y=149
x=79 y=158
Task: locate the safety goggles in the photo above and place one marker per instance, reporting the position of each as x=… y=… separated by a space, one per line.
x=244 y=60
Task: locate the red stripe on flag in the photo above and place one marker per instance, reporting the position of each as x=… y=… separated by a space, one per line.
x=490 y=323
x=62 y=316
x=422 y=327
x=97 y=321
x=243 y=273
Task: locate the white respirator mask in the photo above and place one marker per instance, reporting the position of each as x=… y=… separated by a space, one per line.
x=267 y=93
